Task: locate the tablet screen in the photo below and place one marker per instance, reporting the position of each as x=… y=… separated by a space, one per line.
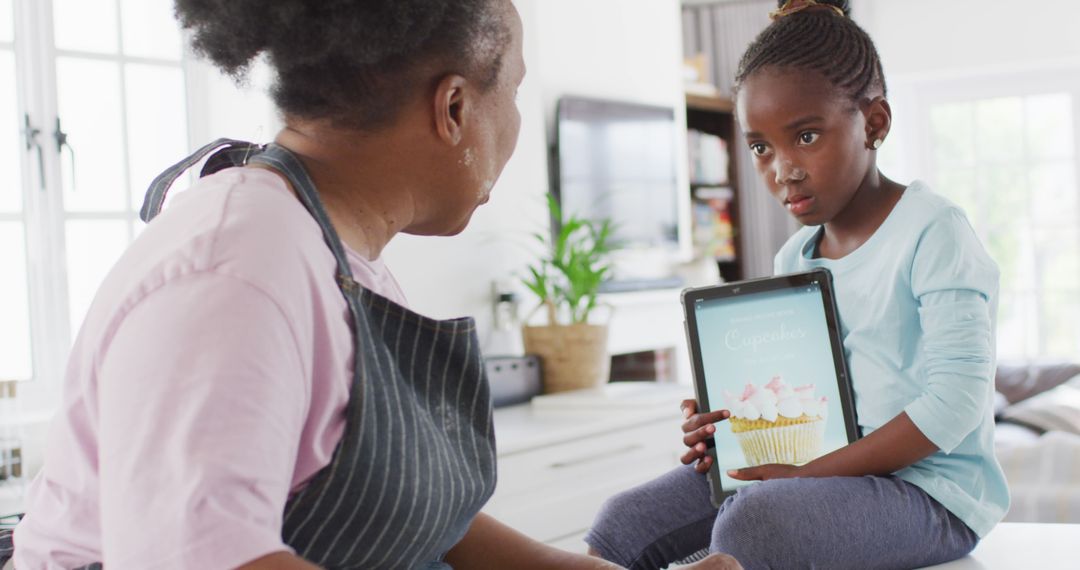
x=767 y=357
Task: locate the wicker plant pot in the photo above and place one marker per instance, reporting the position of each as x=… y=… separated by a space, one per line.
x=573 y=356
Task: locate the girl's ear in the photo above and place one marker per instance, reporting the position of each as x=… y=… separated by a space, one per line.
x=878 y=116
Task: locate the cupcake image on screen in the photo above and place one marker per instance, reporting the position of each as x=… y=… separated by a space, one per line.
x=777 y=423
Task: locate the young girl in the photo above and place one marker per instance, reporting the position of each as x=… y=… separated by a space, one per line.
x=917 y=296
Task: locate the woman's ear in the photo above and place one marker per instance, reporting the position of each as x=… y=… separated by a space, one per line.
x=452 y=108
x=878 y=114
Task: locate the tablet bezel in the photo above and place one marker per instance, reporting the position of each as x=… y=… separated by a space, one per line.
x=820 y=276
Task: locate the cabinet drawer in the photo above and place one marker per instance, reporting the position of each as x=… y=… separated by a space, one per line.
x=553 y=493
x=556 y=514
x=595 y=457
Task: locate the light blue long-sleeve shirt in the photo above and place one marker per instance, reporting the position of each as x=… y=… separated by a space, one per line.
x=918 y=306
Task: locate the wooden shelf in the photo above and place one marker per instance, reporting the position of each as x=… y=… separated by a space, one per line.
x=723 y=192
x=714 y=114
x=709 y=103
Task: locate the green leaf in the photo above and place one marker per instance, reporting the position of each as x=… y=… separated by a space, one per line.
x=576 y=262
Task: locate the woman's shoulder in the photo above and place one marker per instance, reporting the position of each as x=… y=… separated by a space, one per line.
x=244 y=220
x=237 y=224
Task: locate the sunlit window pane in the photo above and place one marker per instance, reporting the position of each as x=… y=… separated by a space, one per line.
x=7 y=34
x=952 y=128
x=15 y=356
x=1025 y=206
x=1053 y=193
x=999 y=129
x=150 y=30
x=1003 y=187
x=1056 y=259
x=90 y=110
x=1050 y=126
x=1060 y=318
x=157 y=123
x=86 y=25
x=1016 y=330
x=93 y=246
x=959 y=185
x=1008 y=245
x=10 y=140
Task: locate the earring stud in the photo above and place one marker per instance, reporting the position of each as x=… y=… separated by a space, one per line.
x=877 y=143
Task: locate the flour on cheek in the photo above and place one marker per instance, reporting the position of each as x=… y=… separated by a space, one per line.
x=488 y=181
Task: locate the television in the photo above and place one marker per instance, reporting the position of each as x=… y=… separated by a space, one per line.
x=618 y=160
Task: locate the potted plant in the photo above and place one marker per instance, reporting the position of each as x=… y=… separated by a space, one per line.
x=566 y=280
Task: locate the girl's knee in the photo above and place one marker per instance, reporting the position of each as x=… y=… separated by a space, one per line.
x=676 y=490
x=618 y=510
x=761 y=500
x=654 y=523
x=749 y=521
x=615 y=515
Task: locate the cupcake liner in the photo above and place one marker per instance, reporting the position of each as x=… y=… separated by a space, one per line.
x=791 y=445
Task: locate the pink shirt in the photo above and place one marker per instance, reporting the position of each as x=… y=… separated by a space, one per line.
x=208 y=382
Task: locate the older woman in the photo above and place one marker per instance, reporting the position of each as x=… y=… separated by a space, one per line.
x=248 y=388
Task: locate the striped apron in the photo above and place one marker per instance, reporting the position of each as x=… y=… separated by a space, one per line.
x=416 y=461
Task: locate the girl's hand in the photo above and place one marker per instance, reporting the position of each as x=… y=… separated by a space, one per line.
x=698 y=428
x=764 y=472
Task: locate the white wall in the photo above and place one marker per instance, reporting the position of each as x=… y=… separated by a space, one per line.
x=988 y=46
x=615 y=49
x=936 y=36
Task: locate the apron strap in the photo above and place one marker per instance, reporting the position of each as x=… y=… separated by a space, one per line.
x=281 y=159
x=240 y=153
x=155 y=195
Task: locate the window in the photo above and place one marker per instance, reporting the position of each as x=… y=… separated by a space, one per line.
x=121 y=104
x=1004 y=149
x=93 y=104
x=15 y=346
x=1011 y=163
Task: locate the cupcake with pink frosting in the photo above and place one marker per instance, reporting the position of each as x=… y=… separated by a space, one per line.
x=777 y=423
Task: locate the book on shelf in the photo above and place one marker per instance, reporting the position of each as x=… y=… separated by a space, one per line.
x=708 y=155
x=714 y=230
x=700 y=89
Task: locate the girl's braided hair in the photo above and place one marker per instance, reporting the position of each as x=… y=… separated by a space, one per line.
x=351 y=61
x=817 y=38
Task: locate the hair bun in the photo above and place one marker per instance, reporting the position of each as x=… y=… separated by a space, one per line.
x=232 y=33
x=788 y=7
x=843 y=5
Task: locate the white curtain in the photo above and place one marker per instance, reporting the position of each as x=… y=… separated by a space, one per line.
x=723 y=31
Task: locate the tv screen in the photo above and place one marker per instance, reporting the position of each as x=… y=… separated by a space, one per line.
x=617 y=161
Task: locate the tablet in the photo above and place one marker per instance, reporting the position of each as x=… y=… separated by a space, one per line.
x=769 y=351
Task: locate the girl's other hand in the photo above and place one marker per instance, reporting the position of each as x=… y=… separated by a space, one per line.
x=764 y=472
x=697 y=428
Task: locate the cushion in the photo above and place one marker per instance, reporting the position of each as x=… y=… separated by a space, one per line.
x=1018 y=382
x=1055 y=410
